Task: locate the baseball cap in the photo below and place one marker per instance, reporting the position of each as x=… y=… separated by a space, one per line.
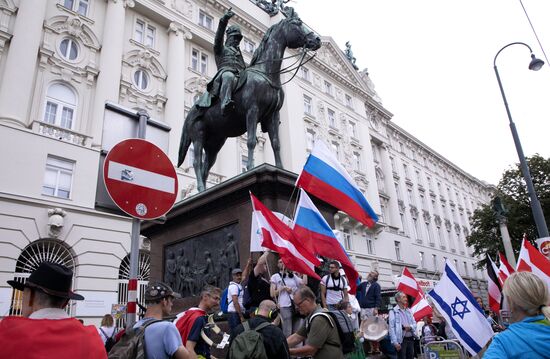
x=159 y=290
x=236 y=271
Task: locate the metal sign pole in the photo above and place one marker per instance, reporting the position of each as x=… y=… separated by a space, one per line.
x=134 y=244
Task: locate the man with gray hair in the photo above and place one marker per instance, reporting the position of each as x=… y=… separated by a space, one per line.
x=402 y=327
x=320 y=334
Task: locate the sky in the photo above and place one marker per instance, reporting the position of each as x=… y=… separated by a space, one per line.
x=431 y=62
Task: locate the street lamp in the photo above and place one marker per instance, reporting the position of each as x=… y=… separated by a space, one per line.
x=534 y=65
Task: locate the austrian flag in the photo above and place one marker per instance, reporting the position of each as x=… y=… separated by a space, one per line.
x=280 y=238
x=408 y=285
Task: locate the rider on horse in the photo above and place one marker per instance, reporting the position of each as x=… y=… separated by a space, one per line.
x=229 y=61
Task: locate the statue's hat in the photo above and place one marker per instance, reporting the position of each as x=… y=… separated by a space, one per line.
x=234 y=30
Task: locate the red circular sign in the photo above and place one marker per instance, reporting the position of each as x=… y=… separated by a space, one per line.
x=140 y=179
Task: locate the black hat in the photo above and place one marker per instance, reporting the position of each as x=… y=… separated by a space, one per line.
x=53 y=279
x=159 y=290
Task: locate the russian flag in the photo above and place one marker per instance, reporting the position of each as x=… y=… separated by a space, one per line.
x=280 y=238
x=325 y=178
x=317 y=236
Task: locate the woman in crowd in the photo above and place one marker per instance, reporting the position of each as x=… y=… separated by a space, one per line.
x=107 y=329
x=526 y=296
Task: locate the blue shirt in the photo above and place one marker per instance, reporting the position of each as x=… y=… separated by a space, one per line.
x=529 y=338
x=162 y=339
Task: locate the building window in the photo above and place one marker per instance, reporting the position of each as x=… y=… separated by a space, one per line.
x=393 y=165
x=310 y=140
x=307 y=105
x=422 y=264
x=356 y=161
x=403 y=222
x=304 y=73
x=79 y=6
x=199 y=61
x=58 y=177
x=406 y=170
x=248 y=46
x=190 y=156
x=141 y=79
x=347 y=238
x=336 y=149
x=328 y=88
x=434 y=262
x=455 y=262
x=383 y=210
x=466 y=271
x=144 y=33
x=244 y=163
x=441 y=237
x=410 y=196
x=416 y=230
x=331 y=118
x=206 y=20
x=68 y=49
x=429 y=234
x=370 y=244
x=349 y=101
x=398 y=250
x=352 y=129
x=60 y=106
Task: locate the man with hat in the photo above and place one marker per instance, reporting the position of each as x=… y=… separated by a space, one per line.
x=45 y=330
x=235 y=295
x=229 y=61
x=162 y=339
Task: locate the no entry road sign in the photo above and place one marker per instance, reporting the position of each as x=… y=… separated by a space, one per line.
x=140 y=179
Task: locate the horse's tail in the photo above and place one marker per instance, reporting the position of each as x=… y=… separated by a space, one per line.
x=185 y=140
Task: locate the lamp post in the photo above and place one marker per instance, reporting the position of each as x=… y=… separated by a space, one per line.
x=534 y=65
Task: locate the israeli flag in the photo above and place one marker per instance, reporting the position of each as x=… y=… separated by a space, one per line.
x=458 y=306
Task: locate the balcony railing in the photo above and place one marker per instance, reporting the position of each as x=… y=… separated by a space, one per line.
x=62 y=134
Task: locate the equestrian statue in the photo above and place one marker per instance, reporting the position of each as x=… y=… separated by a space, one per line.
x=240 y=97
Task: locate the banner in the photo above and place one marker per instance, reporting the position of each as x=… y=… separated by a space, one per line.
x=544 y=246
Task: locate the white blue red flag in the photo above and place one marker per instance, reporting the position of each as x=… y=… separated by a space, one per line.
x=325 y=178
x=279 y=237
x=458 y=306
x=317 y=236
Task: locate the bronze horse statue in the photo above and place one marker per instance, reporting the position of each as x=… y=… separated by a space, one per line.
x=258 y=98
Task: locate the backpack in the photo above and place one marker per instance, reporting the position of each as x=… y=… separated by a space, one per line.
x=249 y=344
x=224 y=302
x=111 y=341
x=132 y=344
x=344 y=326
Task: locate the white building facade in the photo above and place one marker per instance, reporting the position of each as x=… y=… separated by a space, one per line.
x=61 y=61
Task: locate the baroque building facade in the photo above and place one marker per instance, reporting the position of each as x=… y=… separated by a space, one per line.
x=61 y=61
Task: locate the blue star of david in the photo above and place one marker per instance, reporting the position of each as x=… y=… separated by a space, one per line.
x=459 y=302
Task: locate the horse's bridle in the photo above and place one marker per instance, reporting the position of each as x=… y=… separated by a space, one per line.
x=303 y=52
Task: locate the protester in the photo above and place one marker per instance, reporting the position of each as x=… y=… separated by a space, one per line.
x=333 y=287
x=274 y=340
x=429 y=331
x=235 y=299
x=320 y=335
x=283 y=285
x=192 y=323
x=162 y=339
x=257 y=286
x=107 y=331
x=45 y=330
x=527 y=298
x=358 y=353
x=402 y=327
x=370 y=299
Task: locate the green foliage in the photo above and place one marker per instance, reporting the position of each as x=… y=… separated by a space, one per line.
x=485 y=237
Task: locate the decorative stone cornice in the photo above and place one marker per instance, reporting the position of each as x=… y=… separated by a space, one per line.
x=146 y=60
x=178 y=29
x=73 y=26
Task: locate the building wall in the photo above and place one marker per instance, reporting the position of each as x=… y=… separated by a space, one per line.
x=112 y=51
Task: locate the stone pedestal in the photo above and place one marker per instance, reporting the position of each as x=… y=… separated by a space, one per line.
x=207 y=235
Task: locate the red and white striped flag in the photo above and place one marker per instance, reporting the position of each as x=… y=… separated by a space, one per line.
x=504 y=270
x=494 y=288
x=280 y=238
x=408 y=285
x=531 y=260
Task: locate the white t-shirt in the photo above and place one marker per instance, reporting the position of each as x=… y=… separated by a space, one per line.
x=335 y=288
x=293 y=283
x=234 y=289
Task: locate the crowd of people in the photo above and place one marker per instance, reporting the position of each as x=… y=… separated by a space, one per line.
x=269 y=316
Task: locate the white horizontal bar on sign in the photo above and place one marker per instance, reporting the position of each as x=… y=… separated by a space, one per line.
x=139 y=177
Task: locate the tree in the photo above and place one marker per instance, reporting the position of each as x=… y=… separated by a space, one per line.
x=485 y=237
